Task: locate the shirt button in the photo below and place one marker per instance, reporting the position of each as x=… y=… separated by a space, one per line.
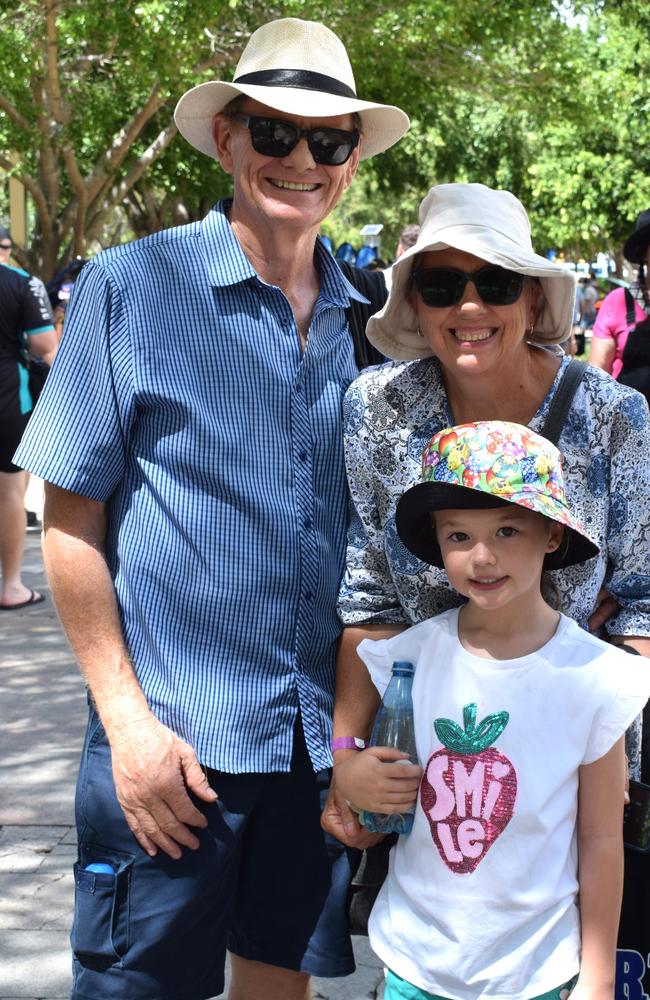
x=303 y=456
x=308 y=522
x=308 y=595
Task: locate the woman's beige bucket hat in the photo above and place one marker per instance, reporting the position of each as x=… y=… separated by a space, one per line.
x=489 y=224
x=301 y=68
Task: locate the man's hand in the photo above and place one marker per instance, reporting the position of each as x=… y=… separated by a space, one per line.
x=342 y=822
x=153 y=770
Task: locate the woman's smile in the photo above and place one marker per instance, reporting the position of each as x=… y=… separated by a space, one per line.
x=472 y=335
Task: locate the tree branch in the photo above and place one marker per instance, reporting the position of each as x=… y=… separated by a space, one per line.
x=47 y=164
x=97 y=181
x=124 y=140
x=120 y=191
x=74 y=174
x=14 y=114
x=30 y=184
x=77 y=181
x=51 y=61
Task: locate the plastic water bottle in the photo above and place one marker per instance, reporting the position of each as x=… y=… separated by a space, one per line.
x=394 y=727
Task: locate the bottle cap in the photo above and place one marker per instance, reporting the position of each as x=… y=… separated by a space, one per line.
x=100 y=868
x=403 y=668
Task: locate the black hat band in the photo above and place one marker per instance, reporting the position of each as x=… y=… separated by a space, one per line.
x=301 y=79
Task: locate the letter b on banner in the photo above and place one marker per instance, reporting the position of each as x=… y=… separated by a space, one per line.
x=630 y=970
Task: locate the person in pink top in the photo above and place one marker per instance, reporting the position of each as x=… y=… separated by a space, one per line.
x=621 y=336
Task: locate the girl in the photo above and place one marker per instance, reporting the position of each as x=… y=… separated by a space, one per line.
x=510 y=883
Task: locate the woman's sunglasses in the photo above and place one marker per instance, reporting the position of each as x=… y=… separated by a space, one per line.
x=445 y=286
x=330 y=147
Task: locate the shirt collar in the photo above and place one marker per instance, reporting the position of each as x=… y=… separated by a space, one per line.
x=227 y=264
x=335 y=287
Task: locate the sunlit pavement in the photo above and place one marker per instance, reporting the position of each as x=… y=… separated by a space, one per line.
x=42 y=721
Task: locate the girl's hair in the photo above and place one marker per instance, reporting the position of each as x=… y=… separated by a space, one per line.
x=550 y=591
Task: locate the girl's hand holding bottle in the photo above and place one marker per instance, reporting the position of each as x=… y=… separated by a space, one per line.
x=379 y=780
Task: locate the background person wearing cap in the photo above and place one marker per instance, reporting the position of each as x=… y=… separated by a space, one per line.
x=511 y=886
x=621 y=336
x=470 y=313
x=195 y=524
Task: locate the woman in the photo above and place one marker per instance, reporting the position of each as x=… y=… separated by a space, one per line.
x=473 y=311
x=621 y=334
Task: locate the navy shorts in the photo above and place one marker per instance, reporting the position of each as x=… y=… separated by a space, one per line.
x=12 y=420
x=267 y=883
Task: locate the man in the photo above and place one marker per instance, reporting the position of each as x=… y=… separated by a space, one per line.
x=407 y=238
x=590 y=295
x=194 y=542
x=25 y=330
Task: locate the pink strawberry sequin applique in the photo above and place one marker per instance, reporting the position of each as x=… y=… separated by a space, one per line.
x=468 y=789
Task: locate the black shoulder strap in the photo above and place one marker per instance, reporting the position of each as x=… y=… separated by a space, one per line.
x=372 y=285
x=566 y=390
x=630 y=317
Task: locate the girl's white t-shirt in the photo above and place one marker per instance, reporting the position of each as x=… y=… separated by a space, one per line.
x=481 y=897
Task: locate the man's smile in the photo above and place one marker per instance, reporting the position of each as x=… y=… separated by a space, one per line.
x=291 y=185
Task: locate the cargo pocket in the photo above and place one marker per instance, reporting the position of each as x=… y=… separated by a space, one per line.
x=100 y=929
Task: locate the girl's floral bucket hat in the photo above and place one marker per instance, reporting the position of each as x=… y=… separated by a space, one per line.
x=488 y=464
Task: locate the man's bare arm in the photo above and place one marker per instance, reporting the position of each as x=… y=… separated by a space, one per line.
x=152 y=768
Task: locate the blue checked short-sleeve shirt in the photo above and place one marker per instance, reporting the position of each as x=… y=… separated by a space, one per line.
x=181 y=399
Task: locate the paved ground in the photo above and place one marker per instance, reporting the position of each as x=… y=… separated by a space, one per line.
x=42 y=717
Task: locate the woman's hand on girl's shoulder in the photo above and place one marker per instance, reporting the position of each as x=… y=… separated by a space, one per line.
x=605 y=608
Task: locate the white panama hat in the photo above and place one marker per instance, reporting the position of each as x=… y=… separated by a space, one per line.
x=489 y=224
x=301 y=68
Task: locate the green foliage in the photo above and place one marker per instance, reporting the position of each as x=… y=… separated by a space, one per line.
x=548 y=98
x=120 y=67
x=590 y=178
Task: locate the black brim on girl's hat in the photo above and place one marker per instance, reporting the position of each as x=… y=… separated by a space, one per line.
x=416 y=530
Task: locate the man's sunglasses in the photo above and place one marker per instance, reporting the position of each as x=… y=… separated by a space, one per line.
x=445 y=286
x=5 y=246
x=330 y=147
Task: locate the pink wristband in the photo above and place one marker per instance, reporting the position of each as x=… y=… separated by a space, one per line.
x=348 y=743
